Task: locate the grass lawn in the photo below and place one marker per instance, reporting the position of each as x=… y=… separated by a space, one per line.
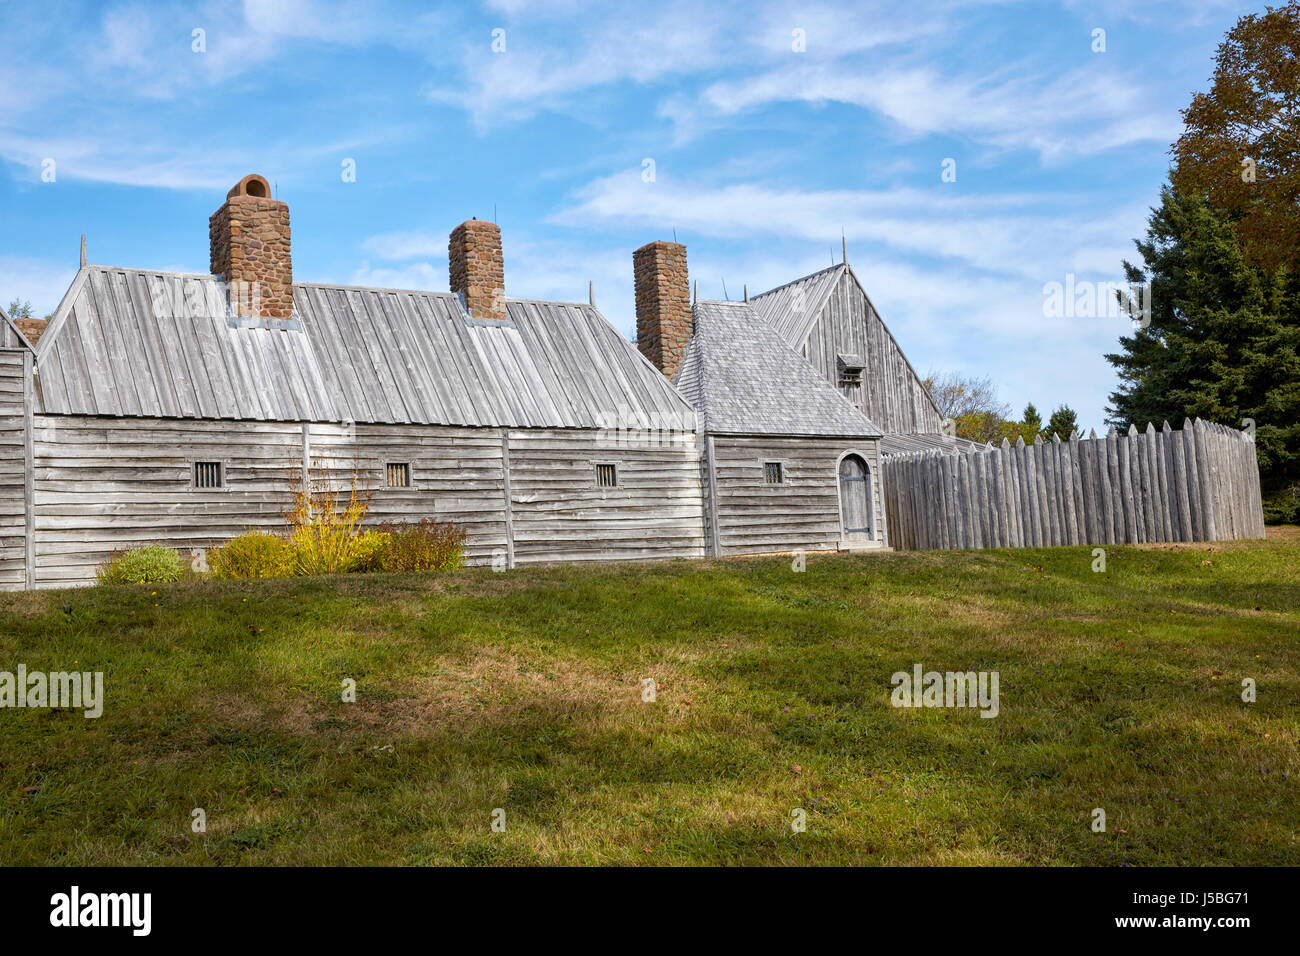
x=522 y=691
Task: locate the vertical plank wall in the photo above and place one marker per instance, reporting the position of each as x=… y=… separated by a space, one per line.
x=13 y=498
x=802 y=513
x=1200 y=483
x=890 y=393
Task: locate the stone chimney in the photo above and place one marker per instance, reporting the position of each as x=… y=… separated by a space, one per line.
x=32 y=329
x=249 y=238
x=663 y=304
x=477 y=270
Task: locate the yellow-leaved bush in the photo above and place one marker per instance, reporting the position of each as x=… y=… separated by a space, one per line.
x=324 y=535
x=254 y=554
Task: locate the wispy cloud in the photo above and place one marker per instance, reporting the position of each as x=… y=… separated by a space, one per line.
x=1009 y=234
x=1086 y=110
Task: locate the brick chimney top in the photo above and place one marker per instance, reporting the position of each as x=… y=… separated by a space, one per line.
x=250 y=249
x=477 y=269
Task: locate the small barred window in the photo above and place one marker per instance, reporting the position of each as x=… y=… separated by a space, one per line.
x=209 y=474
x=398 y=475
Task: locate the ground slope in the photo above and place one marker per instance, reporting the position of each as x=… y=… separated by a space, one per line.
x=522 y=691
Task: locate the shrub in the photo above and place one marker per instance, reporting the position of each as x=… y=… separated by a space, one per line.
x=150 y=564
x=366 y=549
x=253 y=554
x=325 y=529
x=426 y=545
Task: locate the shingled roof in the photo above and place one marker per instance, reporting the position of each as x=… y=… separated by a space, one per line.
x=743 y=379
x=146 y=343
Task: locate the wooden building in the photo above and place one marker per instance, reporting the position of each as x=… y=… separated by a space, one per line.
x=788 y=462
x=183 y=409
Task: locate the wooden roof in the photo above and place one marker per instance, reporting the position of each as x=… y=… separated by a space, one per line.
x=744 y=379
x=792 y=309
x=145 y=343
x=906 y=444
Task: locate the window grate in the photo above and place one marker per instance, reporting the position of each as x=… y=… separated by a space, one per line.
x=209 y=474
x=606 y=476
x=773 y=474
x=398 y=475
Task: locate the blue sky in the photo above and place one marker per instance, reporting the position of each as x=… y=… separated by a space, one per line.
x=761 y=152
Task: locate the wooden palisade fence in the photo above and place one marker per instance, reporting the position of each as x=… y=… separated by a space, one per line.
x=1197 y=484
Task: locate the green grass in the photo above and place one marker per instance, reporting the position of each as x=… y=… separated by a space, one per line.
x=521 y=691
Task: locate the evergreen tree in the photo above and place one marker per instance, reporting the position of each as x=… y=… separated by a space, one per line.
x=1223 y=342
x=1064 y=422
x=1031 y=426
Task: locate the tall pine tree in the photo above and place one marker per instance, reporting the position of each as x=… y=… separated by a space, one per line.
x=1223 y=342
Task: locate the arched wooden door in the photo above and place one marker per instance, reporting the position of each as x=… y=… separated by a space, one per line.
x=855 y=500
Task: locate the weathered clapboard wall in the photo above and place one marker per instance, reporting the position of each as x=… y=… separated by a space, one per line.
x=828 y=314
x=558 y=513
x=1197 y=484
x=104 y=484
x=456 y=475
x=15 y=365
x=803 y=512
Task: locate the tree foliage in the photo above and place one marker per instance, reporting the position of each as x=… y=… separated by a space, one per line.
x=971 y=403
x=1241 y=142
x=1064 y=422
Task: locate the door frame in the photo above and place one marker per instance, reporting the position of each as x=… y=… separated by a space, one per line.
x=874 y=523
